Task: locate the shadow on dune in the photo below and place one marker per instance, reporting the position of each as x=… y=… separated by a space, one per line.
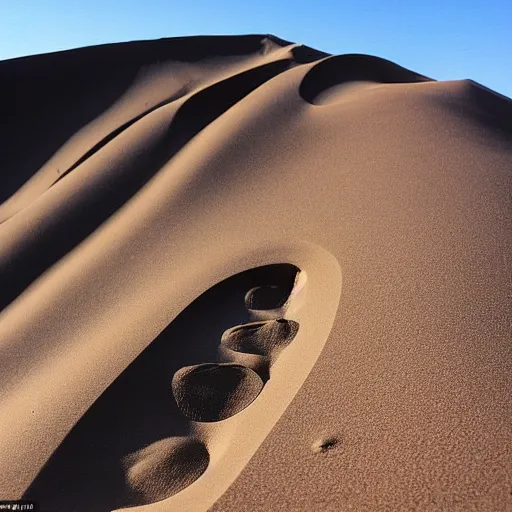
x=48 y=98
x=341 y=69
x=85 y=474
x=488 y=109
x=61 y=233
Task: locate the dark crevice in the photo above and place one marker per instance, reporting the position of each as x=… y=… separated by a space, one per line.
x=60 y=233
x=112 y=135
x=47 y=98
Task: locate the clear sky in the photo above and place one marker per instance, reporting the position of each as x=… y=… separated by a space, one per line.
x=450 y=39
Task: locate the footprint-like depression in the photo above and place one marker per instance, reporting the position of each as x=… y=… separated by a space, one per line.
x=138 y=443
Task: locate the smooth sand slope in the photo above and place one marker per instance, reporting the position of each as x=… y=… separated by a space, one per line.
x=240 y=274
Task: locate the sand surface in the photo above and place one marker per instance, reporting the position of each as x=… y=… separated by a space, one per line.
x=241 y=274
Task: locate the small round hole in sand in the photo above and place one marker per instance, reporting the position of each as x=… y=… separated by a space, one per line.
x=323 y=444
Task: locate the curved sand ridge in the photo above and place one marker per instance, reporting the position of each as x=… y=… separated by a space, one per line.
x=262 y=338
x=330 y=79
x=165 y=441
x=140 y=176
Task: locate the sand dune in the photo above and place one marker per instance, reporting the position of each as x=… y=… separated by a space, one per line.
x=238 y=273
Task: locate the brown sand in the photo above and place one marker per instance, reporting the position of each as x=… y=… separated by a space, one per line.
x=353 y=217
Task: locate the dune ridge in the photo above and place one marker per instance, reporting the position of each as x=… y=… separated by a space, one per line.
x=177 y=220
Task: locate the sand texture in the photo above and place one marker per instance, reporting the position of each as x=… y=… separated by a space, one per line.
x=240 y=274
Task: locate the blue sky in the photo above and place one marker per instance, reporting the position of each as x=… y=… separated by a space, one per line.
x=446 y=40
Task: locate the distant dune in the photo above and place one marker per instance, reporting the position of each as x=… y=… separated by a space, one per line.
x=241 y=274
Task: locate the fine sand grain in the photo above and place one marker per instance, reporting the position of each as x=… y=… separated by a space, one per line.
x=241 y=274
